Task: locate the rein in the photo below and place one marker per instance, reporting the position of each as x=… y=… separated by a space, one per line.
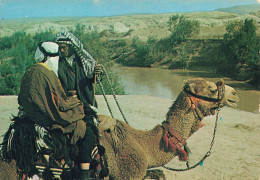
x=221 y=88
x=113 y=93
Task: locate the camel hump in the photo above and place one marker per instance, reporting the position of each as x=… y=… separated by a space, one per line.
x=106 y=122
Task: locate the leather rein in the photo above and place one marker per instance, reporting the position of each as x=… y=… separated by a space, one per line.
x=173 y=137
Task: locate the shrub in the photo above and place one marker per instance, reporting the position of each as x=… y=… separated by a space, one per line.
x=182 y=28
x=17 y=54
x=242 y=45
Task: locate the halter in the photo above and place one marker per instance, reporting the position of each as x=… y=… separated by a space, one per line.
x=220 y=88
x=184 y=154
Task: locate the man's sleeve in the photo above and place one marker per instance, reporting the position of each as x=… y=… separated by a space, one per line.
x=53 y=104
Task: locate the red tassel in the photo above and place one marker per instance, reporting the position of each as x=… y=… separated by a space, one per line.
x=172 y=146
x=182 y=155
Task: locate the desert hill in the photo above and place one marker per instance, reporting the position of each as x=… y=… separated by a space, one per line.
x=246 y=9
x=155 y=25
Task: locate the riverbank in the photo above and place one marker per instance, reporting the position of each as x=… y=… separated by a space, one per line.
x=166 y=83
x=235 y=154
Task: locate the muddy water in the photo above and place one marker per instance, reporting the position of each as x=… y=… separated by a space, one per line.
x=166 y=83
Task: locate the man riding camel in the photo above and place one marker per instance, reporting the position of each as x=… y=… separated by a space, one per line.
x=45 y=102
x=77 y=70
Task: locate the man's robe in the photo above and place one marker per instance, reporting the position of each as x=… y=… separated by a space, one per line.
x=45 y=102
x=74 y=78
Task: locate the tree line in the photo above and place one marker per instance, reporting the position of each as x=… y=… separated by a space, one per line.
x=236 y=56
x=17 y=54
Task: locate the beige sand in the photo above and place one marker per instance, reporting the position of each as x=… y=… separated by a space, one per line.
x=236 y=151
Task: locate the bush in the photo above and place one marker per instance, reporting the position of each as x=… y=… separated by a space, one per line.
x=242 y=45
x=118 y=87
x=17 y=54
x=182 y=28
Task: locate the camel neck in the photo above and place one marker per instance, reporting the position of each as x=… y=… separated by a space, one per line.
x=182 y=117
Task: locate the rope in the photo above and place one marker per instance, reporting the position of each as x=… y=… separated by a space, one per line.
x=113 y=93
x=207 y=153
x=221 y=89
x=169 y=168
x=104 y=95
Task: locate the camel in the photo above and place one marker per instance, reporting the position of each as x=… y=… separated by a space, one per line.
x=130 y=152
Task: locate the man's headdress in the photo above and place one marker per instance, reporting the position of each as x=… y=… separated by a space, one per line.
x=46 y=49
x=48 y=53
x=87 y=60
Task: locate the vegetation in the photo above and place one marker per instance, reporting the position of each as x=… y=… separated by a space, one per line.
x=145 y=54
x=236 y=55
x=242 y=47
x=182 y=28
x=17 y=54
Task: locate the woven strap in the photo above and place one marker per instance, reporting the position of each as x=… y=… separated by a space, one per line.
x=174 y=141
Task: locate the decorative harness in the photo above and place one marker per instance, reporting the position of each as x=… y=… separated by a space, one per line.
x=173 y=140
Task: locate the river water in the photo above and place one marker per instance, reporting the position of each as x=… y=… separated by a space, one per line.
x=166 y=83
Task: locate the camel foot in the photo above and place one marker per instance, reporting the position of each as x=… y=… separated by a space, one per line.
x=154 y=174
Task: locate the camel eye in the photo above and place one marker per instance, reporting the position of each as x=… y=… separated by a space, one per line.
x=234 y=93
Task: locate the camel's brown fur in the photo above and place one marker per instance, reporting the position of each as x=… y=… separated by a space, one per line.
x=8 y=170
x=130 y=152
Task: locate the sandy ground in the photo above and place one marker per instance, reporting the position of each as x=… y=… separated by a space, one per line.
x=236 y=151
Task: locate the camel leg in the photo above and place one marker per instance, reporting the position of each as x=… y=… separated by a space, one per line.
x=154 y=174
x=8 y=170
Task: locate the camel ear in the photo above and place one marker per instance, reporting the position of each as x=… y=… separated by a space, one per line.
x=189 y=86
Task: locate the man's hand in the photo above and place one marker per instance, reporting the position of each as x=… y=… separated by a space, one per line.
x=98 y=69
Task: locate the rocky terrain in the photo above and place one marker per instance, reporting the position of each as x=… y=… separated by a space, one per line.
x=155 y=25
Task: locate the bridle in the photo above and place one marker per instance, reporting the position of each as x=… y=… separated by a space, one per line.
x=220 y=89
x=218 y=100
x=221 y=93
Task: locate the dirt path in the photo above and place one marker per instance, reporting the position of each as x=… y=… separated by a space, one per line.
x=235 y=154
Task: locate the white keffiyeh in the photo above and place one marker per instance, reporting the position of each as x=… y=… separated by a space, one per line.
x=48 y=51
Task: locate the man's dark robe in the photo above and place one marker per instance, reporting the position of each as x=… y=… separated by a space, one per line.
x=74 y=78
x=45 y=102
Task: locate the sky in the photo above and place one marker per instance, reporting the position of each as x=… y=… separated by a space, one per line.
x=95 y=8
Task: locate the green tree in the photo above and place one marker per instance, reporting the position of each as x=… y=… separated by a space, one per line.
x=17 y=54
x=182 y=28
x=141 y=53
x=242 y=45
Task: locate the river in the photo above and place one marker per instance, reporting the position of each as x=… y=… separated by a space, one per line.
x=167 y=83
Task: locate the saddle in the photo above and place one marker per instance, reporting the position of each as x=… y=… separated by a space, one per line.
x=46 y=153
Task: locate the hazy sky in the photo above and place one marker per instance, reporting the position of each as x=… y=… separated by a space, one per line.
x=52 y=8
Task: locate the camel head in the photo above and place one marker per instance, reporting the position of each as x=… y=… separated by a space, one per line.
x=199 y=98
x=207 y=96
x=230 y=99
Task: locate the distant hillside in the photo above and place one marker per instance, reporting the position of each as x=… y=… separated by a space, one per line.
x=246 y=9
x=212 y=24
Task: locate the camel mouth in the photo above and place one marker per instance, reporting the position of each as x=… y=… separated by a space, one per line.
x=231 y=103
